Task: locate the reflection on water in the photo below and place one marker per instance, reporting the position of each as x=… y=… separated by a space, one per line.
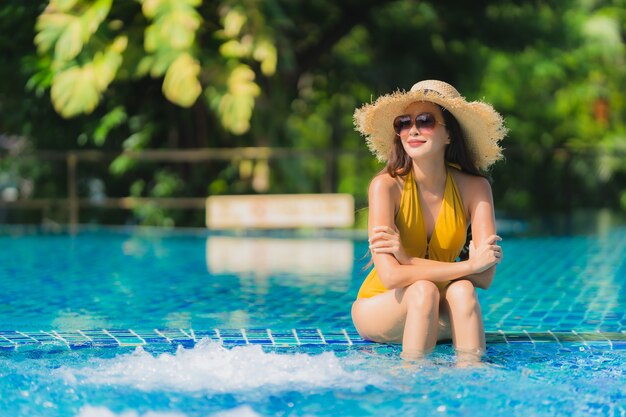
x=103 y=279
x=267 y=256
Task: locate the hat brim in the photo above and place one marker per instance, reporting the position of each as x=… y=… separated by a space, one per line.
x=483 y=127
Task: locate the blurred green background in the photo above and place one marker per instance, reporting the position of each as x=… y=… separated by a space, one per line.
x=283 y=77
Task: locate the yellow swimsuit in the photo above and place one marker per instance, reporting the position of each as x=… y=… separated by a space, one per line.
x=448 y=236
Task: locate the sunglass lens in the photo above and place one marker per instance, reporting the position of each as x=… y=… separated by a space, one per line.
x=401 y=123
x=425 y=121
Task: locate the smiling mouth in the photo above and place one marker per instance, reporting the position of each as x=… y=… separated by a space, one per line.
x=415 y=142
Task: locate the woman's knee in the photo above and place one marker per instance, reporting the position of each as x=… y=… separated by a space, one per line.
x=461 y=296
x=423 y=295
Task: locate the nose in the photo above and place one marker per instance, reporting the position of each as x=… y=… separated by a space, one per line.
x=414 y=129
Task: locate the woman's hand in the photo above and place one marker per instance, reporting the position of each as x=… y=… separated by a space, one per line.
x=486 y=255
x=385 y=239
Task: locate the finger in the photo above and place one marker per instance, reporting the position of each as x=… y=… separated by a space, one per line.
x=386 y=229
x=383 y=250
x=389 y=250
x=381 y=244
x=382 y=236
x=492 y=239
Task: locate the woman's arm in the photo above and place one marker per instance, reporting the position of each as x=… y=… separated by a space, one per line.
x=384 y=195
x=483 y=223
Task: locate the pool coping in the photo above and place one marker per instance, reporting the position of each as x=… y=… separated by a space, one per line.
x=14 y=340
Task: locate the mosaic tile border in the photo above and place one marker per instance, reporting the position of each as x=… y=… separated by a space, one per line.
x=13 y=340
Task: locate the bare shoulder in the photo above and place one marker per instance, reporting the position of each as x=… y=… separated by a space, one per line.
x=471 y=187
x=385 y=184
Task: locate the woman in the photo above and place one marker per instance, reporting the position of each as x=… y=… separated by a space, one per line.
x=436 y=144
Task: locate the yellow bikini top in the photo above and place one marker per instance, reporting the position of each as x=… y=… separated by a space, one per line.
x=448 y=236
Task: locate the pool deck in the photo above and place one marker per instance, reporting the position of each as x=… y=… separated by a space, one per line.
x=13 y=340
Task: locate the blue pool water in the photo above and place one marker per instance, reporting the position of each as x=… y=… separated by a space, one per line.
x=153 y=279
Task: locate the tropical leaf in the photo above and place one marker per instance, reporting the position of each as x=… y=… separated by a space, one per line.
x=69 y=32
x=179 y=28
x=236 y=106
x=265 y=53
x=110 y=121
x=121 y=165
x=93 y=17
x=106 y=64
x=233 y=21
x=150 y=8
x=75 y=91
x=49 y=28
x=151 y=39
x=181 y=85
x=62 y=5
x=234 y=49
x=70 y=43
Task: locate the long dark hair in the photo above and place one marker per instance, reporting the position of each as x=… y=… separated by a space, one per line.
x=400 y=163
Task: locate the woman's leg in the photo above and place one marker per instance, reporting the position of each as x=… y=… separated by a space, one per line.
x=466 y=319
x=409 y=315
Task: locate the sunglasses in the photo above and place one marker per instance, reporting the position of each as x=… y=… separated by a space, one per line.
x=424 y=122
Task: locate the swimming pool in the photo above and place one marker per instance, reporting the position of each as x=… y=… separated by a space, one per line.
x=265 y=325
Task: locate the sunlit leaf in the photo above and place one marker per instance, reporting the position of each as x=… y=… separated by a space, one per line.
x=151 y=39
x=233 y=49
x=179 y=28
x=68 y=32
x=145 y=65
x=70 y=42
x=49 y=28
x=92 y=18
x=265 y=53
x=137 y=141
x=75 y=91
x=62 y=5
x=192 y=3
x=162 y=62
x=121 y=164
x=236 y=105
x=233 y=22
x=109 y=121
x=150 y=7
x=106 y=64
x=181 y=85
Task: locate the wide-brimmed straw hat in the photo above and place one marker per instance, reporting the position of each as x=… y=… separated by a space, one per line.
x=482 y=125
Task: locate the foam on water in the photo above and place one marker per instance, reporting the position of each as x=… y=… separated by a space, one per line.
x=91 y=411
x=209 y=367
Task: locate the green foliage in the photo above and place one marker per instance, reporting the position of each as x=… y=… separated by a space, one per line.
x=109 y=121
x=65 y=29
x=565 y=107
x=168 y=41
x=85 y=46
x=132 y=75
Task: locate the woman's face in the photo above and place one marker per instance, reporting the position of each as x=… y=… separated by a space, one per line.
x=428 y=136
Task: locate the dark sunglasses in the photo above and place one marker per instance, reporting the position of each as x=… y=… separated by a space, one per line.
x=424 y=122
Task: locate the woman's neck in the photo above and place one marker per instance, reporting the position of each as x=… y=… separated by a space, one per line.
x=430 y=174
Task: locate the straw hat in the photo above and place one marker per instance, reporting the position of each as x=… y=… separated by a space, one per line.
x=482 y=126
